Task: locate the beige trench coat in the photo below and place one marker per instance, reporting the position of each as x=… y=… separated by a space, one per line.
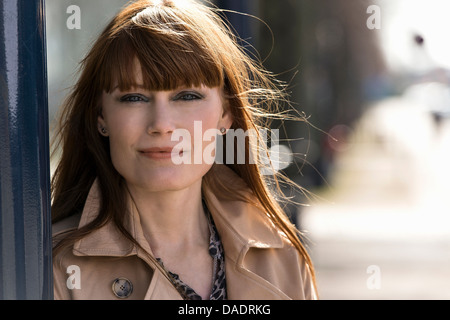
x=260 y=263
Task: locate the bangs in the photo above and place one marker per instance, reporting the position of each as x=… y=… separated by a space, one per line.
x=168 y=60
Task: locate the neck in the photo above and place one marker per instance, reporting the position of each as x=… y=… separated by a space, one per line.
x=172 y=220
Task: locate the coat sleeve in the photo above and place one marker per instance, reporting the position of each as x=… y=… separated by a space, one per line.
x=60 y=277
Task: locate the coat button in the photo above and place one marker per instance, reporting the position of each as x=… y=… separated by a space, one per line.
x=122 y=288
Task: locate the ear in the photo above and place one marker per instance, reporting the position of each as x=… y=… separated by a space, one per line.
x=101 y=126
x=226 y=121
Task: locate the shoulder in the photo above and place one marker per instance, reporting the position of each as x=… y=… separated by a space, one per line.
x=284 y=267
x=61 y=228
x=68 y=223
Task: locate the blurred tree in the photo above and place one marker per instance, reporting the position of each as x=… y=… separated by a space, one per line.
x=332 y=64
x=337 y=58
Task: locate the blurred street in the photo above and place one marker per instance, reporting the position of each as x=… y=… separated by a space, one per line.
x=386 y=209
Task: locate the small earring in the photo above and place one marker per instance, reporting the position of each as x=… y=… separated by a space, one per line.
x=223 y=130
x=104 y=131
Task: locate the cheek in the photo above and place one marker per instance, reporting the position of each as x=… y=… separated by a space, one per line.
x=123 y=135
x=123 y=124
x=119 y=153
x=203 y=141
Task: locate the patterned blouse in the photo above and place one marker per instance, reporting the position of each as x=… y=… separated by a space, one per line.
x=219 y=290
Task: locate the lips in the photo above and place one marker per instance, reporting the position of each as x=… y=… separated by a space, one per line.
x=160 y=152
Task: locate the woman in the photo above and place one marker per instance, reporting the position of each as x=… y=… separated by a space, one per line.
x=138 y=212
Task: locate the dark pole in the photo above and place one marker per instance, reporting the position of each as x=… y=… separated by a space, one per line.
x=25 y=223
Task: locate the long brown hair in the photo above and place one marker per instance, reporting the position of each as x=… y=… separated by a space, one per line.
x=177 y=43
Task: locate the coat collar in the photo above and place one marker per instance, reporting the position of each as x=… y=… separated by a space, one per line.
x=241 y=224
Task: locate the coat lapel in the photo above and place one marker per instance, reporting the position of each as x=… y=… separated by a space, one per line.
x=242 y=226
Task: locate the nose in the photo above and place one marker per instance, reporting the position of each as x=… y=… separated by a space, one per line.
x=160 y=118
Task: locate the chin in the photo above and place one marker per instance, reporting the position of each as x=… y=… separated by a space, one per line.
x=171 y=180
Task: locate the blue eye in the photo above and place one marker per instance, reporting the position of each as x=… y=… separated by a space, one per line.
x=188 y=96
x=133 y=98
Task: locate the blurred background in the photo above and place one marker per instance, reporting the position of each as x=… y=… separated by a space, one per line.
x=372 y=76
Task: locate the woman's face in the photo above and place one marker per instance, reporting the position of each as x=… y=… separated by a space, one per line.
x=157 y=138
